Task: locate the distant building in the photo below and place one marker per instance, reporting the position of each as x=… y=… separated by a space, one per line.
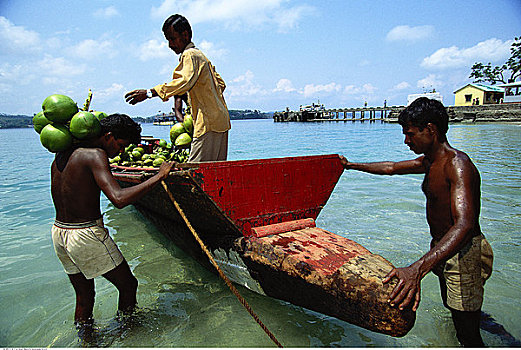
x=512 y=92
x=478 y=94
x=432 y=95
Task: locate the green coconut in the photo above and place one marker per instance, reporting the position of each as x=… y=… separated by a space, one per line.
x=39 y=122
x=183 y=140
x=158 y=161
x=56 y=137
x=162 y=143
x=59 y=108
x=176 y=130
x=188 y=124
x=136 y=154
x=99 y=115
x=85 y=125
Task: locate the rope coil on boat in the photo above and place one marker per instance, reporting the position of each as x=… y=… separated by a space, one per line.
x=219 y=270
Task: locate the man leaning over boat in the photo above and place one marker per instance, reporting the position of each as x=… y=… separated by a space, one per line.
x=80 y=240
x=460 y=255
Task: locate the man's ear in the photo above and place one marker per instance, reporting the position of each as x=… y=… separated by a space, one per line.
x=186 y=36
x=433 y=129
x=108 y=135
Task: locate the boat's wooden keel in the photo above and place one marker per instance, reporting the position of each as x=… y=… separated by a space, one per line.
x=327 y=273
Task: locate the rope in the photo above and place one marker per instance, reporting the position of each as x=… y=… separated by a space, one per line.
x=221 y=273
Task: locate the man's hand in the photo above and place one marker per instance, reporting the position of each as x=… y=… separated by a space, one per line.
x=407 y=289
x=165 y=168
x=345 y=163
x=136 y=96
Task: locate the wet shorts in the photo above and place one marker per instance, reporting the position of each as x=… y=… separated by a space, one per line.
x=86 y=248
x=465 y=274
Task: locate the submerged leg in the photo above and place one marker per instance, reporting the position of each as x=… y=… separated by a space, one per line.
x=126 y=283
x=85 y=295
x=467 y=327
x=467 y=323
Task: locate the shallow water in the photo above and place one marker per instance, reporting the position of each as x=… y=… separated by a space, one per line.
x=181 y=304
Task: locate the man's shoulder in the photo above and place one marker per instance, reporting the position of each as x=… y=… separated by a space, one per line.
x=194 y=53
x=85 y=154
x=460 y=163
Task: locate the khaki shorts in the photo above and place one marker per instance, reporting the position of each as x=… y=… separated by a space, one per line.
x=86 y=248
x=209 y=147
x=465 y=274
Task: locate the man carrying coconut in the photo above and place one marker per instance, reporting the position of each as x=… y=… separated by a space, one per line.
x=81 y=242
x=196 y=76
x=460 y=255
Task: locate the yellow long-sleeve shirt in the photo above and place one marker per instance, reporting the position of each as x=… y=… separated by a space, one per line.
x=197 y=76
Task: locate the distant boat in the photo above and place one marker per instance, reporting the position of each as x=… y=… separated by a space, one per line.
x=165 y=119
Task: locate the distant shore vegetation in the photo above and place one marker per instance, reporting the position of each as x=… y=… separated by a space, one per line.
x=9 y=121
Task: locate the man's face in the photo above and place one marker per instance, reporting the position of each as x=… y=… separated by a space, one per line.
x=116 y=146
x=176 y=41
x=419 y=141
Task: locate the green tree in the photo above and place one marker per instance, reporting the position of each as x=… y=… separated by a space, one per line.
x=486 y=73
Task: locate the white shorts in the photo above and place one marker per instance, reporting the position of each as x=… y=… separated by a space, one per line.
x=85 y=247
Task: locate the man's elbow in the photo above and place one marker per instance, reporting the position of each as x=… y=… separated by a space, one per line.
x=118 y=202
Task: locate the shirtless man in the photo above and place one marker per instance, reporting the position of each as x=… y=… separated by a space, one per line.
x=80 y=240
x=460 y=255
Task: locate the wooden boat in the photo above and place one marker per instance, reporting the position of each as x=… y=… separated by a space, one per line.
x=257 y=217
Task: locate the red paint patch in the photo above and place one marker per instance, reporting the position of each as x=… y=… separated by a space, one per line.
x=323 y=251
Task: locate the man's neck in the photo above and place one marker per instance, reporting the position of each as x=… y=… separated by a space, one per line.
x=437 y=151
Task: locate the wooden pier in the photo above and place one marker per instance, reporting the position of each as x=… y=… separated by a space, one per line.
x=362 y=114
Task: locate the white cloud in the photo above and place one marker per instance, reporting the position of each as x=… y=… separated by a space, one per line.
x=429 y=82
x=289 y=18
x=453 y=57
x=359 y=90
x=211 y=51
x=104 y=94
x=364 y=63
x=235 y=13
x=244 y=85
x=313 y=90
x=90 y=49
x=154 y=49
x=48 y=70
x=56 y=69
x=401 y=86
x=284 y=85
x=406 y=33
x=107 y=12
x=16 y=39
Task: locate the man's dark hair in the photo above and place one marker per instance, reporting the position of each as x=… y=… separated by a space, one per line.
x=122 y=127
x=423 y=111
x=179 y=23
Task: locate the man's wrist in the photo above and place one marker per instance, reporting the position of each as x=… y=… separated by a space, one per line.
x=149 y=93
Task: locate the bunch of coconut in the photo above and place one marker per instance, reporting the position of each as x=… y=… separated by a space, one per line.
x=61 y=123
x=181 y=133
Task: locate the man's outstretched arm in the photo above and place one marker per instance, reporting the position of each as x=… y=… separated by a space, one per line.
x=414 y=166
x=119 y=196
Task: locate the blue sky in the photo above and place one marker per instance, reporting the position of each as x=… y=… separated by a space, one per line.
x=272 y=54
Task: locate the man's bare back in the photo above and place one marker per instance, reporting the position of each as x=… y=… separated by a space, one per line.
x=74 y=190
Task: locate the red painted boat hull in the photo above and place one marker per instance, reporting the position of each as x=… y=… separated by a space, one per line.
x=257 y=218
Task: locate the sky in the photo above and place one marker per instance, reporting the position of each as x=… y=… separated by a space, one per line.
x=272 y=54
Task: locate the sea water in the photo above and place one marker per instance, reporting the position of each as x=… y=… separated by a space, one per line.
x=181 y=304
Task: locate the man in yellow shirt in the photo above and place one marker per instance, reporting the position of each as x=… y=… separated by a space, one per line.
x=196 y=76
